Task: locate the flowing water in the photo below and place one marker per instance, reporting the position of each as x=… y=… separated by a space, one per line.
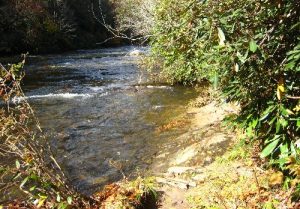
x=101 y=114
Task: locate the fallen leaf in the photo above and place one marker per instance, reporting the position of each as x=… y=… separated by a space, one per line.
x=276 y=179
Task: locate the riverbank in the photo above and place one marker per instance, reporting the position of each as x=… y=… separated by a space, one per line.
x=213 y=168
x=176 y=173
x=183 y=168
x=209 y=166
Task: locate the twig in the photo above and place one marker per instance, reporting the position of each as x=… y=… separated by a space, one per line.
x=292 y=97
x=118 y=167
x=256 y=181
x=115 y=33
x=267 y=35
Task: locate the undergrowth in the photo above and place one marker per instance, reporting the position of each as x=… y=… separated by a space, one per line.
x=238 y=180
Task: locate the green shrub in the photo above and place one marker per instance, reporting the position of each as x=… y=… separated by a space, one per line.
x=249 y=50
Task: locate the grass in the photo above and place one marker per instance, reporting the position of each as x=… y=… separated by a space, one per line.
x=237 y=180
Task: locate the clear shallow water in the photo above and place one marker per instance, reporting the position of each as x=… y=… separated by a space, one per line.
x=98 y=109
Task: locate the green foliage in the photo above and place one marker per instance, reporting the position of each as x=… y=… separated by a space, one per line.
x=250 y=50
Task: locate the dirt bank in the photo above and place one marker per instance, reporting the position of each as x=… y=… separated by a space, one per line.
x=209 y=168
x=182 y=167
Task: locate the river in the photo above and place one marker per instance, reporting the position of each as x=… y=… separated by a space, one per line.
x=101 y=113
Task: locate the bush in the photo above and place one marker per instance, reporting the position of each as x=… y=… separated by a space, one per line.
x=250 y=51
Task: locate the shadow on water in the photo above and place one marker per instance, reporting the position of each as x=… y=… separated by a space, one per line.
x=98 y=114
